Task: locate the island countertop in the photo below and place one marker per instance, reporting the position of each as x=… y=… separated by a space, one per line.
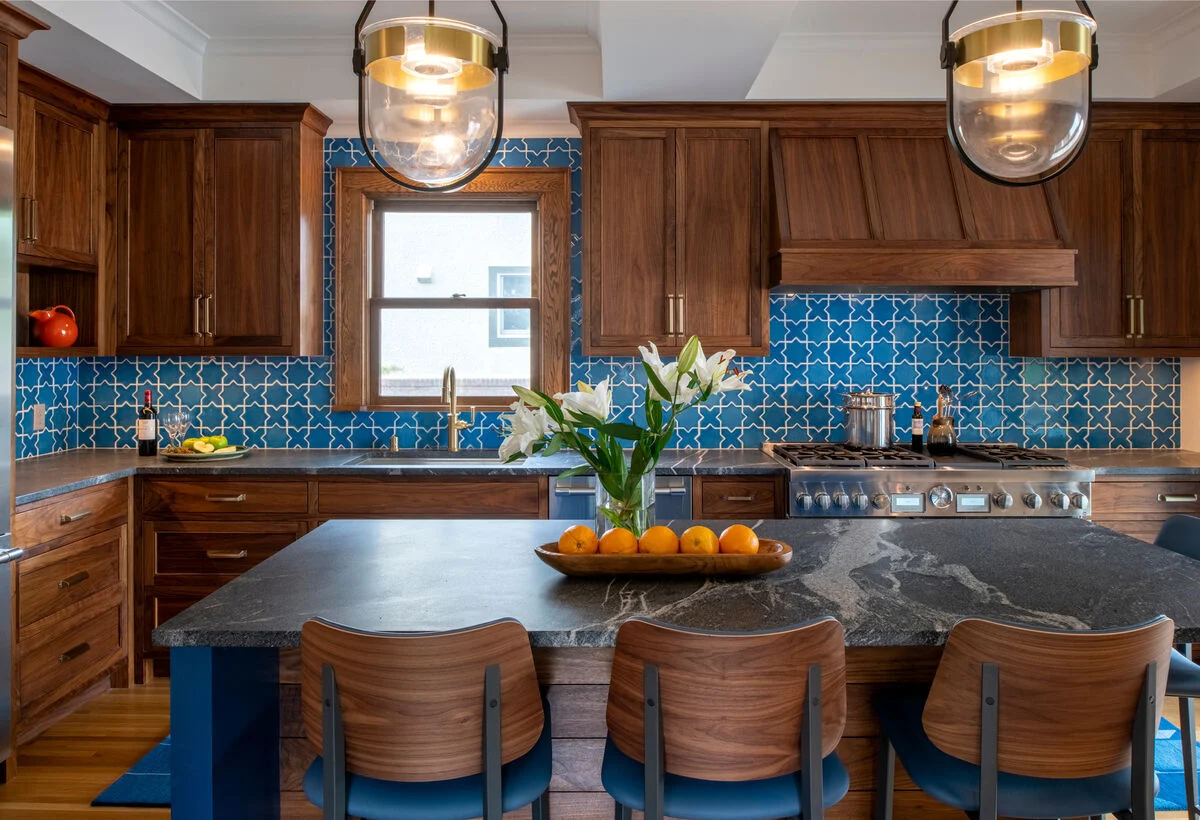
x=891 y=582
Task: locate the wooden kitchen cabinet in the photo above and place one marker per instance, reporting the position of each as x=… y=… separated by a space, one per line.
x=740 y=497
x=673 y=236
x=1138 y=506
x=219 y=222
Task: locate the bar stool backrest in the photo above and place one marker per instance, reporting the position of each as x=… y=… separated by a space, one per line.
x=1181 y=534
x=1067 y=700
x=732 y=703
x=412 y=704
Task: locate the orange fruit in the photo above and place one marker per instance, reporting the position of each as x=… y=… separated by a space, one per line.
x=578 y=540
x=659 y=541
x=698 y=541
x=618 y=542
x=739 y=540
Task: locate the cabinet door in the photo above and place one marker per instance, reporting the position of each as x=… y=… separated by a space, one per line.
x=1169 y=278
x=251 y=282
x=721 y=283
x=1093 y=195
x=630 y=251
x=161 y=228
x=60 y=180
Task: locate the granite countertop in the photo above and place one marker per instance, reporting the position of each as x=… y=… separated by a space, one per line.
x=1134 y=462
x=47 y=476
x=896 y=582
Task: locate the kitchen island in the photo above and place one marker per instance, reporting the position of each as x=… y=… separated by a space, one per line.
x=897 y=585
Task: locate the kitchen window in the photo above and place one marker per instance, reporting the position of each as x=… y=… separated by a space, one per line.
x=477 y=280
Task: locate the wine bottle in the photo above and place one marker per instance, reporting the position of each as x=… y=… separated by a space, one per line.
x=918 y=429
x=147 y=429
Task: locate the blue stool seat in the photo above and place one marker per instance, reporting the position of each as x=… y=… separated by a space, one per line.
x=955 y=782
x=524 y=780
x=625 y=779
x=1183 y=679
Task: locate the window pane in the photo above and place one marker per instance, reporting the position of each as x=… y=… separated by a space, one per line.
x=438 y=254
x=488 y=348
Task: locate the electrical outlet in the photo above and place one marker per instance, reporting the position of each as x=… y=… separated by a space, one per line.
x=39 y=417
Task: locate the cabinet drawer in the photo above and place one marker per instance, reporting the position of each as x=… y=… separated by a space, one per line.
x=1116 y=498
x=1145 y=529
x=73 y=514
x=233 y=497
x=200 y=548
x=55 y=579
x=522 y=497
x=73 y=652
x=736 y=498
x=165 y=607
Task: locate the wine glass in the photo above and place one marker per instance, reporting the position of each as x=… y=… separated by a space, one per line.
x=176 y=423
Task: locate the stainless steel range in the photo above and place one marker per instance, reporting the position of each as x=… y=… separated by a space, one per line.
x=997 y=480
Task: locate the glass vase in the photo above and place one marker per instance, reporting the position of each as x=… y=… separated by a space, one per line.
x=635 y=512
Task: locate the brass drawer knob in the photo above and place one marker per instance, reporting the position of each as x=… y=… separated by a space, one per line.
x=226 y=555
x=225 y=499
x=74 y=652
x=65 y=519
x=1178 y=498
x=77 y=578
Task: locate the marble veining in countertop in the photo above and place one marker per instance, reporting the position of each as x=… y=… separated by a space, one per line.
x=891 y=582
x=1140 y=461
x=47 y=476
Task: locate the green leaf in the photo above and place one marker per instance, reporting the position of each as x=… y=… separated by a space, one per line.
x=553 y=446
x=586 y=421
x=555 y=413
x=630 y=432
x=582 y=469
x=687 y=356
x=514 y=457
x=656 y=381
x=653 y=414
x=530 y=397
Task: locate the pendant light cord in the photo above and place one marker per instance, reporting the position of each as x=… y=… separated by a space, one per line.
x=360 y=69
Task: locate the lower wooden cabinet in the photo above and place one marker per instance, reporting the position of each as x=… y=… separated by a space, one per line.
x=739 y=497
x=72 y=604
x=1139 y=506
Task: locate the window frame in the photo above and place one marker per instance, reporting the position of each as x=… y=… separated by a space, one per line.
x=362 y=196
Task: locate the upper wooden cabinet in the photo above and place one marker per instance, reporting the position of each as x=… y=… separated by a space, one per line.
x=60 y=199
x=15 y=26
x=673 y=234
x=219 y=229
x=1131 y=208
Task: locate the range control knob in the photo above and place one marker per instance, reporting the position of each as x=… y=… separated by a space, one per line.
x=880 y=501
x=1032 y=500
x=1079 y=501
x=823 y=500
x=1060 y=501
x=941 y=496
x=804 y=501
x=861 y=502
x=1002 y=500
x=841 y=501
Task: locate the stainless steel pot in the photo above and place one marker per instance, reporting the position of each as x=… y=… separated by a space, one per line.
x=870 y=419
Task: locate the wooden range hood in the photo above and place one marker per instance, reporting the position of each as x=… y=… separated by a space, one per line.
x=871 y=197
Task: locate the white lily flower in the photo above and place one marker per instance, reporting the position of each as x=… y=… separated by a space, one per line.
x=680 y=384
x=526 y=426
x=712 y=372
x=587 y=400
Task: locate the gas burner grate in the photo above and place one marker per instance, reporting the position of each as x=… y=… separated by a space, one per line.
x=1012 y=456
x=818 y=454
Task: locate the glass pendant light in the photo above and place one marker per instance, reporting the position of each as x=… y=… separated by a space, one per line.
x=430 y=97
x=1019 y=91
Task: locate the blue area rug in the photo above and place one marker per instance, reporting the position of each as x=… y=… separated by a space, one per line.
x=1168 y=765
x=148 y=783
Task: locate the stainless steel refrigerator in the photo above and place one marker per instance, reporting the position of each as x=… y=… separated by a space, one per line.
x=8 y=341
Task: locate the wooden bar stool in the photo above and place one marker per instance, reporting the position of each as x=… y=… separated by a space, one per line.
x=1033 y=723
x=1181 y=534
x=726 y=726
x=439 y=726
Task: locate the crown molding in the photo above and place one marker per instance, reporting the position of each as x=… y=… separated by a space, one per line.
x=331 y=46
x=172 y=23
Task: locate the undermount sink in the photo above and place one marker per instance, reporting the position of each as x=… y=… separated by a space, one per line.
x=425 y=458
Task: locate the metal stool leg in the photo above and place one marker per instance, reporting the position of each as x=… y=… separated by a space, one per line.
x=623 y=813
x=885 y=779
x=1187 y=733
x=541 y=807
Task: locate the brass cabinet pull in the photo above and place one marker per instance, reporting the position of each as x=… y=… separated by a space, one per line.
x=1141 y=300
x=196 y=315
x=225 y=499
x=27 y=232
x=1132 y=323
x=670 y=314
x=679 y=303
x=738 y=497
x=74 y=652
x=230 y=555
x=208 y=331
x=33 y=220
x=77 y=578
x=71 y=519
x=1170 y=498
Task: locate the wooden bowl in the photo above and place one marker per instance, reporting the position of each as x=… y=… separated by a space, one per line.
x=771 y=555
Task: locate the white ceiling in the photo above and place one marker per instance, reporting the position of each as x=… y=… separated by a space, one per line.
x=298 y=50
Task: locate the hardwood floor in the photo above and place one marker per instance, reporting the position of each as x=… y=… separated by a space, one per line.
x=63 y=770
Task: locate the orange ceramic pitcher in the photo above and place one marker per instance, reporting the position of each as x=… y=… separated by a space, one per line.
x=55 y=326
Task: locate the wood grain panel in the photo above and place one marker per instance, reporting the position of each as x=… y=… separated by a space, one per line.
x=223 y=497
x=58 y=578
x=1004 y=213
x=71 y=516
x=578 y=665
x=1118 y=499
x=1146 y=529
x=916 y=192
x=741 y=498
x=577 y=711
x=73 y=651
x=955 y=269
x=519 y=497
x=215 y=549
x=820 y=179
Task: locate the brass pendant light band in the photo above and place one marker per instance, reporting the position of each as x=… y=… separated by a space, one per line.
x=384 y=47
x=1075 y=54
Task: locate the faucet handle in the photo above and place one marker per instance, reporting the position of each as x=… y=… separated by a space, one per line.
x=463 y=425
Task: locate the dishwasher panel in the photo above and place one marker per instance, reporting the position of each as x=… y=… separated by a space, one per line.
x=574 y=498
